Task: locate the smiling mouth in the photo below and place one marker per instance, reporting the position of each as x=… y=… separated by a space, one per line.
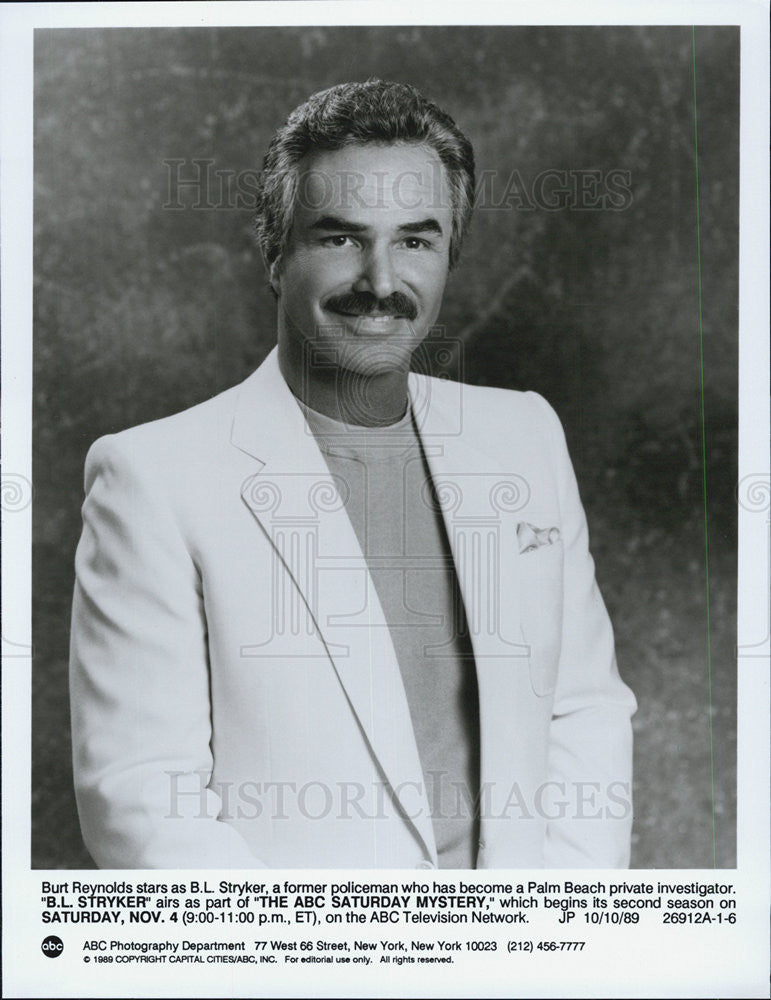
x=370 y=317
x=373 y=323
x=377 y=326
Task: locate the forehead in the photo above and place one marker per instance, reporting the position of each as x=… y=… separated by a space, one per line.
x=374 y=184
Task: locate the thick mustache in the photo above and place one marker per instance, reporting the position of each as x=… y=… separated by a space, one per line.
x=364 y=303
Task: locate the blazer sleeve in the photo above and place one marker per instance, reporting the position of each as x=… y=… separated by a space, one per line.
x=139 y=683
x=590 y=745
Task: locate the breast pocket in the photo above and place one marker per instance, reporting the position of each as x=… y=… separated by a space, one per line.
x=541 y=613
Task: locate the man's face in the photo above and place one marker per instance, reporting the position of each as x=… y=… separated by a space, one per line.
x=367 y=258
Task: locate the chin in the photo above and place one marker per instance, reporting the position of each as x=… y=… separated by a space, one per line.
x=372 y=358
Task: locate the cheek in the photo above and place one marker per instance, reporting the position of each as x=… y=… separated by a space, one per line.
x=432 y=285
x=311 y=279
x=297 y=285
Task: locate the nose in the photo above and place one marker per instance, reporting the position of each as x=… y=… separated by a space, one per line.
x=377 y=274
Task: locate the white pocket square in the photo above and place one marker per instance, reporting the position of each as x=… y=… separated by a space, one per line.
x=531 y=538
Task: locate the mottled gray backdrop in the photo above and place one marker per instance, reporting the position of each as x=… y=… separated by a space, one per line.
x=142 y=309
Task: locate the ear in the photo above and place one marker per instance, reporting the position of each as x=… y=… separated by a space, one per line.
x=274 y=276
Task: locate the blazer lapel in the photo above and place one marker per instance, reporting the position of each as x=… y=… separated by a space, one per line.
x=481 y=499
x=320 y=578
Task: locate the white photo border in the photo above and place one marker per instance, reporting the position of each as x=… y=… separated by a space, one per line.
x=743 y=974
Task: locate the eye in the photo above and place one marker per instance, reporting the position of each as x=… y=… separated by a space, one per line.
x=415 y=243
x=338 y=240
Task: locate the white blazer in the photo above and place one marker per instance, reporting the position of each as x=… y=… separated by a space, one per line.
x=236 y=699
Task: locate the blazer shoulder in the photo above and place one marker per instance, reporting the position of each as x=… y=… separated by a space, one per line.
x=167 y=441
x=519 y=412
x=487 y=409
x=490 y=399
x=525 y=404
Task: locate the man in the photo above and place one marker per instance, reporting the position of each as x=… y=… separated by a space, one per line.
x=344 y=615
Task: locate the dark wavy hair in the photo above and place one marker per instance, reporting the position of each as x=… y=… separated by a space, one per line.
x=356 y=114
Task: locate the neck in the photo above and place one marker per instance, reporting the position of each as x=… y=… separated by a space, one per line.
x=375 y=400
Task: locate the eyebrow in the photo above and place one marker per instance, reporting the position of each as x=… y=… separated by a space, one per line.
x=424 y=226
x=333 y=224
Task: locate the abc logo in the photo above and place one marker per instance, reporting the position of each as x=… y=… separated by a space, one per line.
x=52 y=946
